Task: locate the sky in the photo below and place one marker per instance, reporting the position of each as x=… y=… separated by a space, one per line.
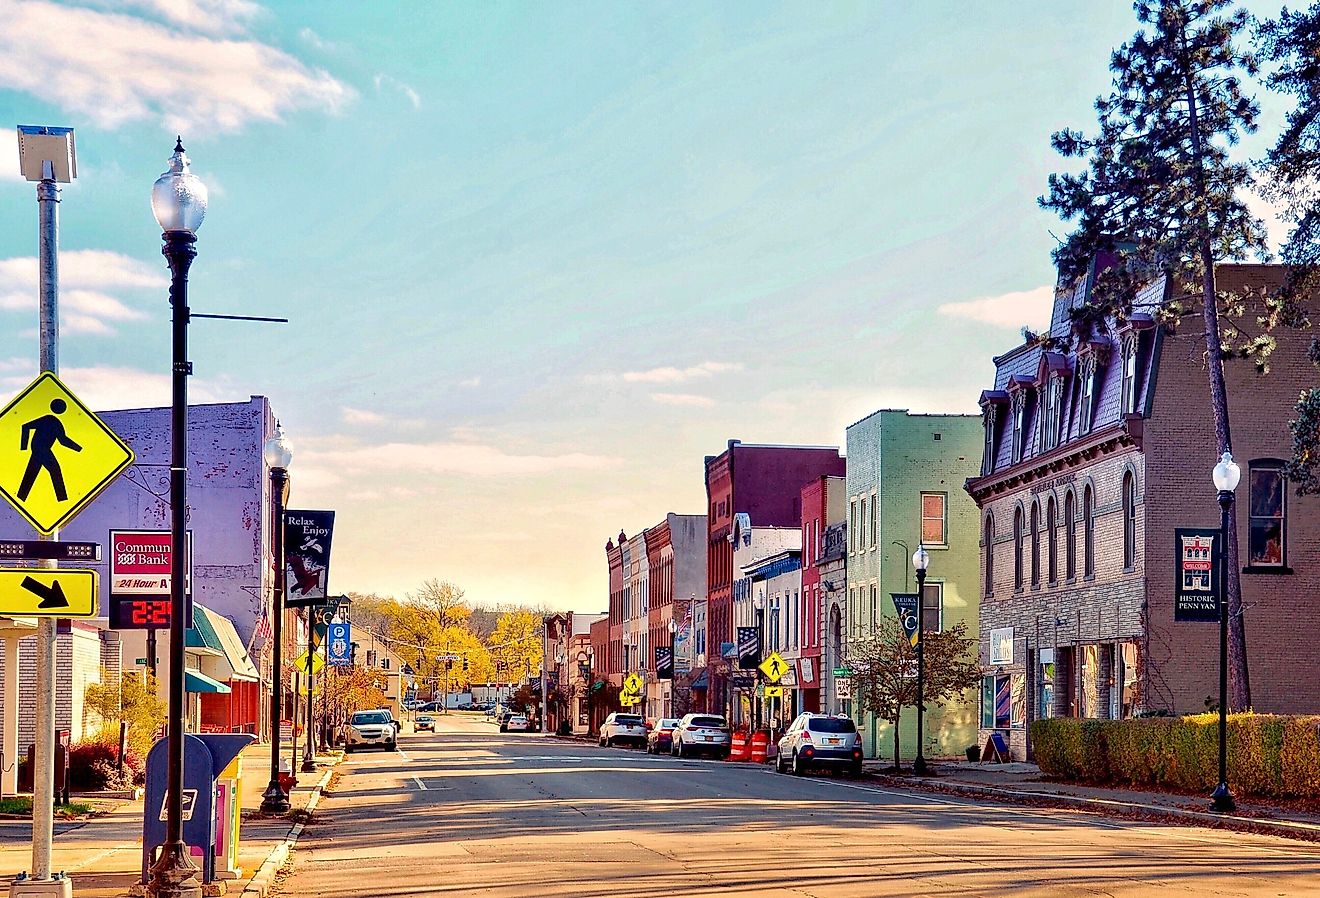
x=541 y=259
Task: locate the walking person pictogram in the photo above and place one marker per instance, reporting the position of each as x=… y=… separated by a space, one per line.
x=40 y=438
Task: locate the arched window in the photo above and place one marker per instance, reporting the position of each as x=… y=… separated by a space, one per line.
x=1052 y=538
x=1017 y=548
x=1069 y=536
x=1129 y=521
x=1088 y=523
x=1035 y=544
x=989 y=554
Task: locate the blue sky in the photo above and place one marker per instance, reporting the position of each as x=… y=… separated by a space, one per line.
x=540 y=259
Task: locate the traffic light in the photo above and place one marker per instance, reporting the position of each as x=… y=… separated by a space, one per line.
x=465 y=664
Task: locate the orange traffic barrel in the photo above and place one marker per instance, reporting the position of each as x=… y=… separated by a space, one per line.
x=760 y=746
x=738 y=746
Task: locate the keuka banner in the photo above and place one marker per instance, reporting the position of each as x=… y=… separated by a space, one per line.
x=307 y=537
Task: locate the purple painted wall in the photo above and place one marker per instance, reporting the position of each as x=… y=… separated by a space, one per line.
x=228 y=501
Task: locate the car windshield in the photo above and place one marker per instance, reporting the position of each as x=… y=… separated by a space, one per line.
x=517 y=717
x=369 y=717
x=708 y=721
x=667 y=723
x=628 y=720
x=831 y=725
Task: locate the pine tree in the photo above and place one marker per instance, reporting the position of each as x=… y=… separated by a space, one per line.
x=1162 y=192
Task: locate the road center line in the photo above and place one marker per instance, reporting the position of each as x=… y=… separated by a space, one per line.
x=420 y=785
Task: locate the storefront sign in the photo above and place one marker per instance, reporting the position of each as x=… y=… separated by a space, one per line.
x=1001 y=645
x=1196 y=587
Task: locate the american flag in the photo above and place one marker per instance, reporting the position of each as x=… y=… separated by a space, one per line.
x=263 y=631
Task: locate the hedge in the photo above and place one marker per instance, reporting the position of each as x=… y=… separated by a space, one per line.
x=1268 y=755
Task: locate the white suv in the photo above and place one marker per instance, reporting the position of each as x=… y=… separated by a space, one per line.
x=623 y=728
x=820 y=740
x=370 y=728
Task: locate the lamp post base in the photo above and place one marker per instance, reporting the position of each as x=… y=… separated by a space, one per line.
x=308 y=764
x=919 y=766
x=1221 y=800
x=273 y=800
x=59 y=886
x=174 y=875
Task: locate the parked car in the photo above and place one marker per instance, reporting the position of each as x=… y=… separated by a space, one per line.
x=425 y=722
x=430 y=706
x=517 y=722
x=697 y=733
x=620 y=727
x=370 y=728
x=660 y=735
x=820 y=740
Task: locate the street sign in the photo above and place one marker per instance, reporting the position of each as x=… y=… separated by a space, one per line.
x=55 y=551
x=55 y=454
x=341 y=645
x=842 y=672
x=628 y=699
x=774 y=692
x=313 y=659
x=142 y=562
x=41 y=592
x=633 y=683
x=843 y=689
x=774 y=667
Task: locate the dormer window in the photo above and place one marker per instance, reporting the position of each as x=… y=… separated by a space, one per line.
x=1129 y=393
x=1087 y=401
x=988 y=456
x=1019 y=423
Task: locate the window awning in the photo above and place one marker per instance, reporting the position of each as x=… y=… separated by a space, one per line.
x=223 y=655
x=236 y=656
x=699 y=682
x=196 y=681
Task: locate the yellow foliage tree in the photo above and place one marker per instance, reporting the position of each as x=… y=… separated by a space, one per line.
x=515 y=646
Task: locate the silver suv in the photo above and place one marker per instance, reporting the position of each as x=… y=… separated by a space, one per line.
x=820 y=740
x=701 y=733
x=619 y=727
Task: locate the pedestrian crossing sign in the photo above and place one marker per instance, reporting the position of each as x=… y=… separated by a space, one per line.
x=774 y=667
x=55 y=454
x=633 y=683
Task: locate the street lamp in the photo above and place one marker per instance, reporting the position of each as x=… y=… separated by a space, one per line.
x=309 y=753
x=278 y=454
x=758 y=606
x=1226 y=476
x=920 y=561
x=673 y=663
x=178 y=199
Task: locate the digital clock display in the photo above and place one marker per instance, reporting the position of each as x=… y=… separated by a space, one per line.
x=140 y=612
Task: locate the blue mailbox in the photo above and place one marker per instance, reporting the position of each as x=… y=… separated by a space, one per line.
x=204 y=757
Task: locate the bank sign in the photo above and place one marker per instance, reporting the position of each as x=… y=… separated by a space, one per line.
x=140 y=563
x=1196 y=587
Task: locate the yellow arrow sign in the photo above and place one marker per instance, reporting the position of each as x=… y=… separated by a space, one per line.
x=774 y=667
x=38 y=592
x=55 y=454
x=774 y=692
x=628 y=699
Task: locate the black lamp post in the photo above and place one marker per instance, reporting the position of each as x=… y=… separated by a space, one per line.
x=673 y=663
x=309 y=752
x=1226 y=475
x=920 y=561
x=178 y=199
x=758 y=605
x=278 y=453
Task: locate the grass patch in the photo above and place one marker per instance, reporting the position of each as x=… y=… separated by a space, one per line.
x=23 y=805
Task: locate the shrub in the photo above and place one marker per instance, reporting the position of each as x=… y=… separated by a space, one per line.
x=92 y=766
x=1267 y=754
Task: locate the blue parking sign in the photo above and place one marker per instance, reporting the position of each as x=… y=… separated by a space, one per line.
x=341 y=644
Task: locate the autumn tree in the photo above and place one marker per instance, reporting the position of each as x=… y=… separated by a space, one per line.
x=132 y=698
x=1162 y=195
x=515 y=645
x=884 y=669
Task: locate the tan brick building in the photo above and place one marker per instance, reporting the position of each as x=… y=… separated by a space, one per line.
x=1097 y=446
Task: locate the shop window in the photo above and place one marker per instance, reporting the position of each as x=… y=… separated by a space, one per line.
x=1267 y=531
x=1045 y=679
x=932 y=607
x=1129 y=680
x=996 y=702
x=1089 y=686
x=933 y=519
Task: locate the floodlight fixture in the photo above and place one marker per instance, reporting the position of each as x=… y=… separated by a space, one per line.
x=47 y=153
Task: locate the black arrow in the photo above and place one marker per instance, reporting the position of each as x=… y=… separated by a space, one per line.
x=51 y=596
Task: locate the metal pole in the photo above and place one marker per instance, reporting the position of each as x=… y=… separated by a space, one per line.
x=174 y=875
x=293 y=721
x=545 y=658
x=309 y=752
x=151 y=652
x=919 y=763
x=1222 y=799
x=760 y=655
x=273 y=800
x=43 y=782
x=325 y=693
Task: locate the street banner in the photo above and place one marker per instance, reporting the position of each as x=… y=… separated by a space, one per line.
x=906 y=605
x=749 y=648
x=307 y=536
x=341 y=645
x=1197 y=590
x=664 y=663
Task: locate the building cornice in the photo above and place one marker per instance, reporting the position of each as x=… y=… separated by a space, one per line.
x=1069 y=456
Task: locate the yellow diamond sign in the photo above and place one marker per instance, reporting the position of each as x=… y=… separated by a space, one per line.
x=315 y=660
x=774 y=667
x=633 y=683
x=55 y=455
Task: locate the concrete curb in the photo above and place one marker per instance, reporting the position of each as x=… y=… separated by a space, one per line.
x=1295 y=829
x=260 y=884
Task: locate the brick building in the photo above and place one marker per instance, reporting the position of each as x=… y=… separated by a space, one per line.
x=1097 y=445
x=765 y=483
x=676 y=559
x=824 y=501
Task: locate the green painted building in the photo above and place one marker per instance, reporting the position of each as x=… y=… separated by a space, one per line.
x=905 y=488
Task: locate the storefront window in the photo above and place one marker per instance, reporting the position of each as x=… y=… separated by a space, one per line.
x=1267 y=515
x=1090 y=684
x=997 y=702
x=1045 y=702
x=1018 y=698
x=1131 y=683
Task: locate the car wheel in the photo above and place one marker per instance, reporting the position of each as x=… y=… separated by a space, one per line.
x=779 y=762
x=855 y=771
x=348 y=749
x=504 y=729
x=602 y=741
x=678 y=751
x=393 y=746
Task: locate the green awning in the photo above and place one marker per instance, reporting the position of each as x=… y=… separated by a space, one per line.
x=196 y=681
x=202 y=635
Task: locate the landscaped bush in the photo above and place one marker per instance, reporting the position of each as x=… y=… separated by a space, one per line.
x=92 y=767
x=1267 y=754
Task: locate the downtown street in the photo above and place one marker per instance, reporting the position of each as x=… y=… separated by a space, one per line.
x=468 y=811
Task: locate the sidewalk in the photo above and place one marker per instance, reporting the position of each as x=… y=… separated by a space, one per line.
x=104 y=855
x=1021 y=782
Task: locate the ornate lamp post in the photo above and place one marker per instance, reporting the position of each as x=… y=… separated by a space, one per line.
x=673 y=663
x=178 y=199
x=278 y=454
x=758 y=606
x=1226 y=476
x=920 y=561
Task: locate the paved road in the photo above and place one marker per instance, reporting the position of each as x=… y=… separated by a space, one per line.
x=470 y=812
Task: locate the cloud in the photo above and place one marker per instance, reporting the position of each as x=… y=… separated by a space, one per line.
x=202 y=16
x=678 y=375
x=383 y=80
x=105 y=387
x=688 y=399
x=1025 y=307
x=85 y=277
x=111 y=68
x=316 y=42
x=368 y=465
x=470 y=382
x=358 y=417
x=9 y=155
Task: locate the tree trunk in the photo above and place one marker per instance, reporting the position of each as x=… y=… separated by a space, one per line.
x=1239 y=684
x=898 y=762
